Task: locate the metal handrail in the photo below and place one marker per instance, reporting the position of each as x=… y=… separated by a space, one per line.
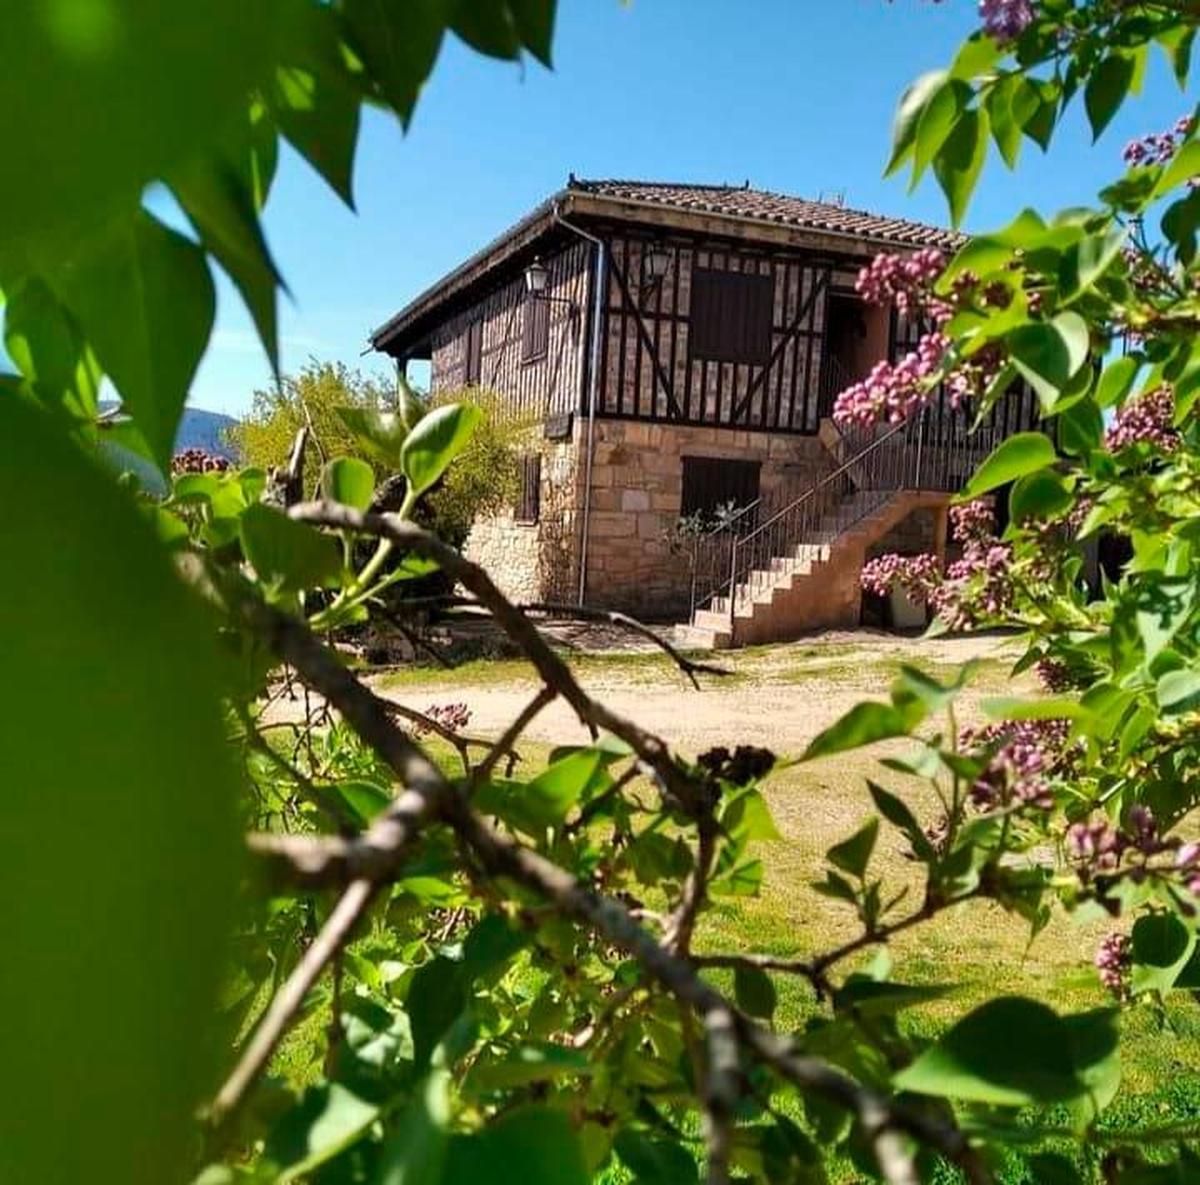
x=812 y=491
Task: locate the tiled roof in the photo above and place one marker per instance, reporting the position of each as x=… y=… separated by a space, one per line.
x=760 y=204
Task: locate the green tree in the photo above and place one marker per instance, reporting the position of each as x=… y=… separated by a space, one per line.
x=310 y=399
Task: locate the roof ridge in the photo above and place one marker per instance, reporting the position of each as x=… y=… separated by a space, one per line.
x=574 y=182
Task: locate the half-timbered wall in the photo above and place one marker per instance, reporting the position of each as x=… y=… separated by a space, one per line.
x=650 y=371
x=548 y=384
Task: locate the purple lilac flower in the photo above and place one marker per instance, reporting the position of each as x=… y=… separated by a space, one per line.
x=1149 y=419
x=1005 y=19
x=1113 y=962
x=916 y=574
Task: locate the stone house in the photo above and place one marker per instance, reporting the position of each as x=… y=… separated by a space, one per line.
x=676 y=350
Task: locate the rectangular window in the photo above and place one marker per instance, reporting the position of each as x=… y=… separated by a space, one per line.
x=712 y=482
x=473 y=353
x=529 y=497
x=535 y=329
x=731 y=316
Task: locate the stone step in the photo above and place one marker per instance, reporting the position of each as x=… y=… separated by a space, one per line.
x=696 y=637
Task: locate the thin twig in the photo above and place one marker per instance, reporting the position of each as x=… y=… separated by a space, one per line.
x=288 y=999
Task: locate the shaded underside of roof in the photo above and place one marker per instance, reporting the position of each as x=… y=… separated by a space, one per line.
x=630 y=201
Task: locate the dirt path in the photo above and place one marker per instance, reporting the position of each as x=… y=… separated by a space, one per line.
x=779 y=697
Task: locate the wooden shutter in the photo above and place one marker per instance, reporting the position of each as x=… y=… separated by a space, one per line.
x=473 y=353
x=709 y=482
x=535 y=328
x=731 y=315
x=529 y=500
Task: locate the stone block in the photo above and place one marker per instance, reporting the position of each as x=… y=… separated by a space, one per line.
x=635 y=499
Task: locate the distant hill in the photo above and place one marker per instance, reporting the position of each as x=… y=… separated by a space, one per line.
x=206 y=430
x=200 y=429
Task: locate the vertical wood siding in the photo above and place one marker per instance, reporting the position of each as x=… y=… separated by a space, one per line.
x=547 y=385
x=650 y=372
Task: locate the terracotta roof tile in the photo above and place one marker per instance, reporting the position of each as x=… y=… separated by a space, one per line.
x=776 y=207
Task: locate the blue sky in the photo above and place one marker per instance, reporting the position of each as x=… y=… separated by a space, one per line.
x=794 y=95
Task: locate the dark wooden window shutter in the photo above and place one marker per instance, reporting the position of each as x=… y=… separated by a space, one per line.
x=709 y=482
x=473 y=353
x=535 y=328
x=731 y=316
x=529 y=499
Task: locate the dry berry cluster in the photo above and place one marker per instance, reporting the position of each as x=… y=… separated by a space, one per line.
x=197 y=460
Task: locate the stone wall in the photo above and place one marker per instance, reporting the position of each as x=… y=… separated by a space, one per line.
x=637 y=488
x=536 y=561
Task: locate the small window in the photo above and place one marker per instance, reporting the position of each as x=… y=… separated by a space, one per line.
x=712 y=482
x=535 y=331
x=473 y=353
x=731 y=316
x=529 y=499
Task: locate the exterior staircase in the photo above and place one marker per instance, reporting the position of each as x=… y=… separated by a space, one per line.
x=772 y=575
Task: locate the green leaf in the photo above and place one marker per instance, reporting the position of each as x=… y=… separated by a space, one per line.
x=115 y=748
x=1035 y=108
x=45 y=342
x=754 y=992
x=315 y=100
x=145 y=299
x=1006 y=131
x=398 y=41
x=1081 y=428
x=864 y=724
x=132 y=97
x=529 y=1063
x=533 y=1145
x=349 y=481
x=854 y=854
x=743 y=881
x=534 y=21
x=1106 y=88
x=1183 y=166
x=1049 y=353
x=488 y=26
x=436 y=440
x=380 y=434
x=1161 y=948
x=655 y=1161
x=1005 y=707
x=897 y=812
x=415 y=1150
x=288 y=555
x=327 y=1121
x=222 y=209
x=1012 y=458
x=937 y=121
x=1039 y=495
x=436 y=997
x=1009 y=1052
x=1116 y=381
x=976 y=56
x=355 y=799
x=1084 y=262
x=959 y=160
x=1178 y=692
x=908 y=115
x=873 y=997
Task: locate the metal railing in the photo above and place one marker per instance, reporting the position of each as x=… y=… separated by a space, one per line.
x=749 y=553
